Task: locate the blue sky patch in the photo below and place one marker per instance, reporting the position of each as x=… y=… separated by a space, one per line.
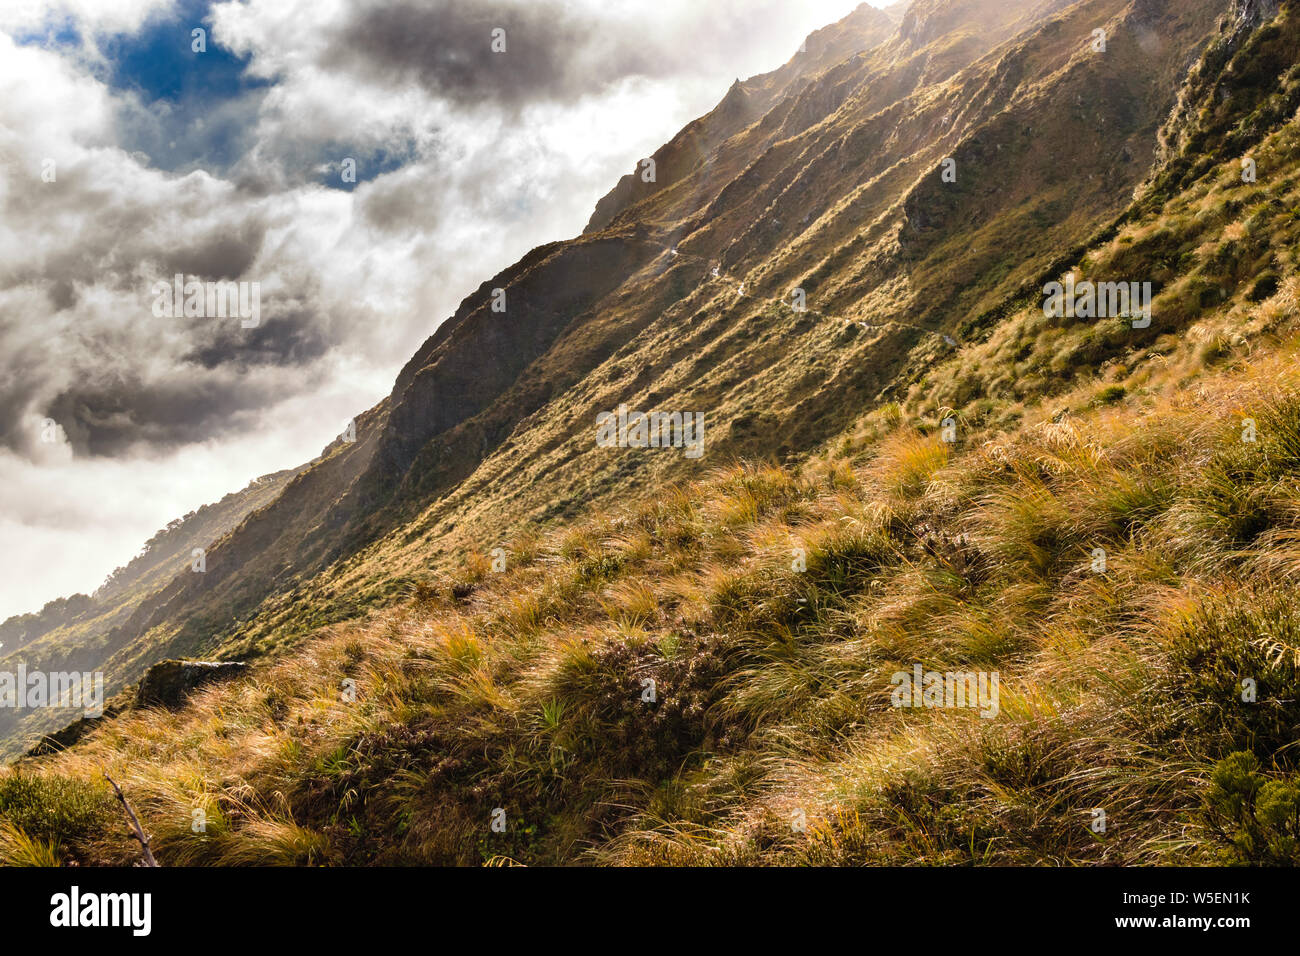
x=200 y=109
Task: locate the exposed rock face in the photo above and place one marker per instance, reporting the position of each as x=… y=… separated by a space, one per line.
x=1203 y=99
x=169 y=682
x=1248 y=14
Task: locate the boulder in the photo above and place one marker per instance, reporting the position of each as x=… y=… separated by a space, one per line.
x=169 y=682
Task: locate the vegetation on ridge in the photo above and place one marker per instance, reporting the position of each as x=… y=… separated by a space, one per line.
x=704 y=676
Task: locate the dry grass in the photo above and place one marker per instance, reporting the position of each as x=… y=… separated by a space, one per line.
x=764 y=611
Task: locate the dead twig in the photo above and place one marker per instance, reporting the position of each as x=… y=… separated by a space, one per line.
x=135 y=824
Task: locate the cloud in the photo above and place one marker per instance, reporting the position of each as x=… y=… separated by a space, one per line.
x=545 y=50
x=89 y=17
x=464 y=163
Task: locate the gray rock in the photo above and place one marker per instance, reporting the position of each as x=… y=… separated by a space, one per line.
x=169 y=682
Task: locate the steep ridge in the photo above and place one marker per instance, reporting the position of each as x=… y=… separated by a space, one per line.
x=918 y=55
x=834 y=189
x=745 y=102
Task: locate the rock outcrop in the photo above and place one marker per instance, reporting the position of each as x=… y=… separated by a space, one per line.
x=169 y=683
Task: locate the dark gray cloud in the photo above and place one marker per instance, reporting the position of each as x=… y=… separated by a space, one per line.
x=552 y=50
x=555 y=51
x=110 y=414
x=291 y=339
x=197 y=228
x=112 y=374
x=224 y=382
x=225 y=253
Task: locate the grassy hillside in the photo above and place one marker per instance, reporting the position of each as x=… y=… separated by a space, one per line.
x=1114 y=530
x=1120 y=690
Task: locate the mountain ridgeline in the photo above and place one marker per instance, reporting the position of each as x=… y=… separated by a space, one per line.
x=841 y=268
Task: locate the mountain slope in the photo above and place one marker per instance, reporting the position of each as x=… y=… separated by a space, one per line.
x=571 y=306
x=835 y=209
x=704 y=672
x=836 y=189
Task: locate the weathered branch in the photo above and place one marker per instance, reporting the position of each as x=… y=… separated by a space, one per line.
x=135 y=824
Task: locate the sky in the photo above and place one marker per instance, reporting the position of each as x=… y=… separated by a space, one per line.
x=133 y=148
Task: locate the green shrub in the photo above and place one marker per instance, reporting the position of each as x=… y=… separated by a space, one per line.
x=56 y=809
x=1225 y=640
x=1110 y=395
x=1257 y=819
